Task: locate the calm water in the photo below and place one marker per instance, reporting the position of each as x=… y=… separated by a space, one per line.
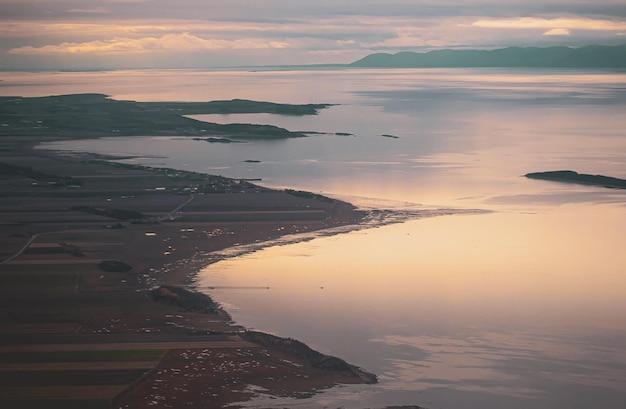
x=520 y=307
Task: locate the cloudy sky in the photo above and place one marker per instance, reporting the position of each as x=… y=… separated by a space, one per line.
x=42 y=34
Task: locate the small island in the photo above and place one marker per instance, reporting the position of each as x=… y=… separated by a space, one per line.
x=569 y=176
x=217 y=140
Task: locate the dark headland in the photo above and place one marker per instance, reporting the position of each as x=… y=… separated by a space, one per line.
x=93 y=115
x=96 y=305
x=593 y=56
x=569 y=176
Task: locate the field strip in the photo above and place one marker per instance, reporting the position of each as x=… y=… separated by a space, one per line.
x=253 y=212
x=75 y=243
x=38 y=328
x=107 y=346
x=57 y=261
x=77 y=366
x=61 y=392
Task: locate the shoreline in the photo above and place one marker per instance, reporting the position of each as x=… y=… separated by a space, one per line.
x=174 y=248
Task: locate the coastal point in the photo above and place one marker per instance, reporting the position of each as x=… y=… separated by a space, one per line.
x=97 y=305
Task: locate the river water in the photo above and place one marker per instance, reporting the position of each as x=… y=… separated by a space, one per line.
x=520 y=305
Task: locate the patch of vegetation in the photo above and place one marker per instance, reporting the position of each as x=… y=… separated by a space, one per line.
x=308 y=195
x=114 y=266
x=72 y=250
x=120 y=214
x=28 y=172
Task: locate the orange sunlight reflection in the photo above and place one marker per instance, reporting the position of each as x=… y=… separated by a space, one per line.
x=497 y=267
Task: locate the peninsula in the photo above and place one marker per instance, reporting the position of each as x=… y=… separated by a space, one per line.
x=96 y=259
x=93 y=115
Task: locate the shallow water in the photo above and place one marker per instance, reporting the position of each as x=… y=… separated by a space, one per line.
x=520 y=307
x=503 y=306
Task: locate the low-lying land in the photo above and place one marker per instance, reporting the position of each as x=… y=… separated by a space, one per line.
x=82 y=115
x=94 y=261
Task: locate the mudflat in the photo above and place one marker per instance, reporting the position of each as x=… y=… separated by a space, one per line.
x=95 y=304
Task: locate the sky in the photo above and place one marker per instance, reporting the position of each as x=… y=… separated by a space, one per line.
x=103 y=34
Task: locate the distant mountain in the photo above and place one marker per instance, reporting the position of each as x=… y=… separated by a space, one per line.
x=594 y=56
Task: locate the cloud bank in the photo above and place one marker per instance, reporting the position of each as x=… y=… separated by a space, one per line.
x=184 y=42
x=41 y=33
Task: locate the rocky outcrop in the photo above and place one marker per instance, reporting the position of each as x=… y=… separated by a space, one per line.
x=301 y=350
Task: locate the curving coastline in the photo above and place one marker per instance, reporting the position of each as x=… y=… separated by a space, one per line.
x=157 y=236
x=96 y=261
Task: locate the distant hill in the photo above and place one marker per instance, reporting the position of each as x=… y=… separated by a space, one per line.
x=594 y=56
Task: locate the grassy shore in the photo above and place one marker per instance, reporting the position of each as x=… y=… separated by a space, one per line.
x=95 y=261
x=80 y=115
